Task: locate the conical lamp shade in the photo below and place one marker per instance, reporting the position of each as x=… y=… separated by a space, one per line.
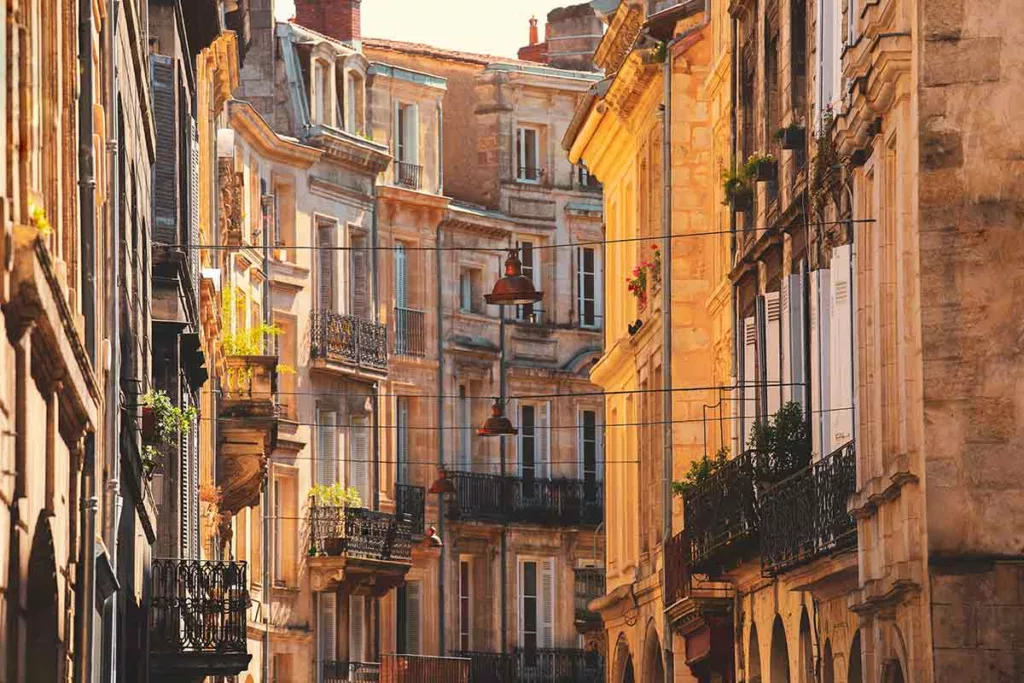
x=442 y=484
x=497 y=424
x=514 y=288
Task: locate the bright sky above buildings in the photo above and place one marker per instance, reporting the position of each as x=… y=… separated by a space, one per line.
x=497 y=27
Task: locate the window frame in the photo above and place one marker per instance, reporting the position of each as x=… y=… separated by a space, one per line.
x=522 y=156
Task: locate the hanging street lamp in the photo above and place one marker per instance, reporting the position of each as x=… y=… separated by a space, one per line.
x=513 y=288
x=497 y=424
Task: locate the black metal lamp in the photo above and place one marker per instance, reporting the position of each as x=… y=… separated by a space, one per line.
x=497 y=424
x=514 y=288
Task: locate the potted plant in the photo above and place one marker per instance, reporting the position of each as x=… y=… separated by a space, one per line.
x=700 y=471
x=331 y=537
x=763 y=167
x=645 y=273
x=782 y=444
x=738 y=192
x=161 y=422
x=792 y=136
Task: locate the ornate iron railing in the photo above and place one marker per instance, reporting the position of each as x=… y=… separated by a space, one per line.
x=410 y=502
x=348 y=339
x=720 y=514
x=420 y=668
x=537 y=665
x=198 y=606
x=409 y=337
x=350 y=672
x=408 y=175
x=805 y=516
x=526 y=500
x=248 y=386
x=489 y=667
x=361 y=533
x=677 y=569
x=589 y=585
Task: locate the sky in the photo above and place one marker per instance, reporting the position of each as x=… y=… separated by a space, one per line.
x=496 y=27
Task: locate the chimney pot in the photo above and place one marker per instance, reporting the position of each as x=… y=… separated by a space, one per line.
x=534 y=39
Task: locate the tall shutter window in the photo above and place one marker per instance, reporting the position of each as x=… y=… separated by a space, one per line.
x=543 y=453
x=325 y=290
x=326 y=625
x=193 y=254
x=527 y=441
x=164 y=78
x=360 y=277
x=401 y=275
x=587 y=286
x=185 y=450
x=773 y=351
x=820 y=385
x=399 y=133
x=528 y=254
x=412 y=134
x=797 y=338
x=788 y=392
x=402 y=439
x=749 y=379
x=464 y=417
x=359 y=458
x=546 y=637
x=327 y=448
x=528 y=605
x=465 y=606
x=357 y=628
x=841 y=350
x=413 y=617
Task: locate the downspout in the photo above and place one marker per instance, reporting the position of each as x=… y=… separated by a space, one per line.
x=440 y=435
x=666 y=351
x=113 y=435
x=265 y=578
x=440 y=147
x=502 y=389
x=737 y=331
x=85 y=575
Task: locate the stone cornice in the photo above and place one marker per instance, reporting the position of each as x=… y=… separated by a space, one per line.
x=620 y=37
x=349 y=150
x=257 y=132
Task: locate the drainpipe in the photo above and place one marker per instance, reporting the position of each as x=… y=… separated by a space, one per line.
x=666 y=350
x=440 y=147
x=267 y=527
x=113 y=432
x=737 y=335
x=502 y=388
x=440 y=435
x=86 y=570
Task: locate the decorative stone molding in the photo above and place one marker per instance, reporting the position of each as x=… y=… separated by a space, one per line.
x=231 y=184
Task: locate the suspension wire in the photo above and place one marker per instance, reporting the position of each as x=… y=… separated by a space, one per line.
x=496 y=250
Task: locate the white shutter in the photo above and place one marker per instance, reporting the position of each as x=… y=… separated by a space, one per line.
x=402 y=438
x=797 y=350
x=413 y=617
x=820 y=332
x=356 y=628
x=325 y=290
x=412 y=134
x=546 y=605
x=401 y=275
x=785 y=330
x=326 y=624
x=542 y=442
x=397 y=134
x=359 y=458
x=841 y=350
x=773 y=351
x=749 y=379
x=327 y=447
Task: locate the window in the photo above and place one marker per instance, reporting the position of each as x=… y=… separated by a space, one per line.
x=284 y=192
x=534 y=453
x=465 y=417
x=286 y=551
x=407 y=129
x=828 y=39
x=588 y=287
x=531 y=269
x=359 y=264
x=321 y=95
x=465 y=606
x=469 y=288
x=326 y=625
x=589 y=453
x=402 y=439
x=327 y=447
x=821 y=331
x=770 y=375
x=411 y=598
x=357 y=628
x=527 y=155
x=841 y=350
x=536 y=605
x=359 y=457
x=326 y=278
x=749 y=374
x=256 y=544
x=287 y=348
x=401 y=276
x=584 y=180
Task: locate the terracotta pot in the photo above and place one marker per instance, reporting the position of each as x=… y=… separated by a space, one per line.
x=148 y=423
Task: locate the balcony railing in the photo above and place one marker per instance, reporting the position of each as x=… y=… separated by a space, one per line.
x=359 y=533
x=248 y=386
x=528 y=500
x=721 y=516
x=409 y=503
x=409 y=337
x=805 y=516
x=350 y=672
x=538 y=665
x=198 y=606
x=420 y=668
x=348 y=339
x=408 y=175
x=589 y=585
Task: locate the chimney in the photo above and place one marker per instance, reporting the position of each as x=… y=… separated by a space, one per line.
x=338 y=19
x=534 y=39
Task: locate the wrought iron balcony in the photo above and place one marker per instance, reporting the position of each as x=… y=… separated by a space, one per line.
x=349 y=340
x=409 y=336
x=589 y=585
x=408 y=175
x=721 y=516
x=526 y=500
x=805 y=516
x=417 y=668
x=409 y=503
x=198 y=618
x=248 y=387
x=359 y=534
x=350 y=672
x=536 y=665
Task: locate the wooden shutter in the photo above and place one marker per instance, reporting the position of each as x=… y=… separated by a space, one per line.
x=327 y=448
x=357 y=628
x=325 y=289
x=401 y=276
x=773 y=351
x=359 y=458
x=164 y=79
x=326 y=625
x=841 y=350
x=402 y=438
x=413 y=617
x=542 y=443
x=185 y=484
x=546 y=605
x=360 y=277
x=749 y=379
x=797 y=349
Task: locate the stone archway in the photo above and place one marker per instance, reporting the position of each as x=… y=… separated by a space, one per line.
x=828 y=672
x=780 y=653
x=653 y=669
x=854 y=672
x=806 y=652
x=622 y=671
x=44 y=650
x=754 y=657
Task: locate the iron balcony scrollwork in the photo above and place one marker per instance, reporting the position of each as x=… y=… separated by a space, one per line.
x=410 y=339
x=348 y=339
x=526 y=500
x=410 y=501
x=536 y=665
x=359 y=533
x=198 y=606
x=805 y=516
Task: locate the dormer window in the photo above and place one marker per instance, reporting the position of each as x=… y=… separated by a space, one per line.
x=322 y=94
x=354 y=120
x=527 y=155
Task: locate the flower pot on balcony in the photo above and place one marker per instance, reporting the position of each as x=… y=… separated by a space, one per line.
x=148 y=423
x=792 y=137
x=742 y=199
x=767 y=170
